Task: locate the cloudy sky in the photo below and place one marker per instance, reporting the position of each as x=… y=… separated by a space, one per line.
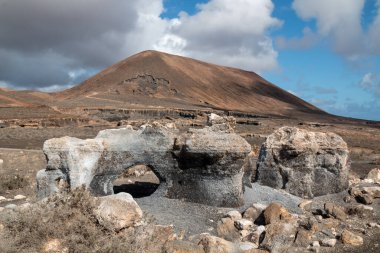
x=326 y=51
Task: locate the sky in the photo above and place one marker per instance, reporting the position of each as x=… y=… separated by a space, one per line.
x=325 y=51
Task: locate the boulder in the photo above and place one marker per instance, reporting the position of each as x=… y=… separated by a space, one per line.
x=118 y=211
x=351 y=238
x=374 y=175
x=226 y=229
x=177 y=246
x=335 y=211
x=201 y=165
x=303 y=163
x=276 y=212
x=279 y=236
x=213 y=244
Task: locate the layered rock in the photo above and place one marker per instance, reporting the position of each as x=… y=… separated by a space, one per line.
x=304 y=163
x=201 y=165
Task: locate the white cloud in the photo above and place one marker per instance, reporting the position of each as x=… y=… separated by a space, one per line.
x=226 y=32
x=339 y=20
x=55 y=39
x=371 y=83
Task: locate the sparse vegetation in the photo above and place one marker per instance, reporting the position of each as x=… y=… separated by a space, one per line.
x=67 y=221
x=12 y=182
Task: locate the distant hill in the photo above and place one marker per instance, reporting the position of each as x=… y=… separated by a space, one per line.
x=155 y=79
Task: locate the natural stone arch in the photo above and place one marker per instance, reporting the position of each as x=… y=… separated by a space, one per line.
x=95 y=163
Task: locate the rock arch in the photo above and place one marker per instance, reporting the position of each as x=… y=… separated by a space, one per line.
x=201 y=165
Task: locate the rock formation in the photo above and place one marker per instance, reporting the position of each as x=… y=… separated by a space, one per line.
x=304 y=163
x=201 y=165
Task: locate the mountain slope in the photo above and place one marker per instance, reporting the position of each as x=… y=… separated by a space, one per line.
x=151 y=76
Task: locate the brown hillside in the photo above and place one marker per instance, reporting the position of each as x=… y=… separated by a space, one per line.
x=150 y=77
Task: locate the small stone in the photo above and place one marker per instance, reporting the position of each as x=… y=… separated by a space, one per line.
x=276 y=212
x=364 y=199
x=2 y=198
x=2 y=209
x=347 y=199
x=18 y=197
x=374 y=191
x=118 y=211
x=374 y=174
x=234 y=215
x=247 y=247
x=315 y=244
x=319 y=218
x=177 y=246
x=252 y=213
x=226 y=229
x=351 y=238
x=373 y=225
x=305 y=205
x=243 y=224
x=303 y=238
x=11 y=206
x=335 y=211
x=255 y=236
x=328 y=242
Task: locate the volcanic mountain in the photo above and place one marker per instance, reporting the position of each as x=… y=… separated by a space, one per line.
x=155 y=79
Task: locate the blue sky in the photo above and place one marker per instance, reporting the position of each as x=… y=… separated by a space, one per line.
x=326 y=52
x=315 y=72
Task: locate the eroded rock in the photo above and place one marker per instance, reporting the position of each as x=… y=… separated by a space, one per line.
x=201 y=165
x=304 y=163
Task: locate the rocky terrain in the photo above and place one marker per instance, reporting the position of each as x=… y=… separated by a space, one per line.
x=295 y=179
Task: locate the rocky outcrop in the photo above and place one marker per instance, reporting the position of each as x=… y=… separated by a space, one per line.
x=304 y=163
x=201 y=165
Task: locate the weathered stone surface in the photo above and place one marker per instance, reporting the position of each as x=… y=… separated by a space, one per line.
x=227 y=230
x=213 y=244
x=279 y=236
x=351 y=238
x=374 y=191
x=243 y=224
x=374 y=175
x=252 y=213
x=276 y=212
x=234 y=215
x=201 y=165
x=328 y=242
x=182 y=247
x=118 y=211
x=304 y=163
x=335 y=211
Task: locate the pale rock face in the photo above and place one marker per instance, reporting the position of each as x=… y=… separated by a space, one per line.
x=351 y=238
x=119 y=211
x=201 y=165
x=303 y=163
x=374 y=175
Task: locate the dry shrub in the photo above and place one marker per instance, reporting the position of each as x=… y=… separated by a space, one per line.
x=12 y=182
x=68 y=218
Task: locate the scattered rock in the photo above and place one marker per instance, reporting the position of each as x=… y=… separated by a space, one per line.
x=118 y=211
x=279 y=236
x=374 y=174
x=364 y=199
x=213 y=244
x=54 y=246
x=177 y=246
x=374 y=191
x=328 y=242
x=2 y=198
x=305 y=205
x=351 y=238
x=256 y=235
x=252 y=213
x=362 y=211
x=18 y=197
x=247 y=247
x=303 y=238
x=234 y=215
x=276 y=212
x=227 y=230
x=304 y=163
x=243 y=224
x=2 y=209
x=11 y=206
x=335 y=211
